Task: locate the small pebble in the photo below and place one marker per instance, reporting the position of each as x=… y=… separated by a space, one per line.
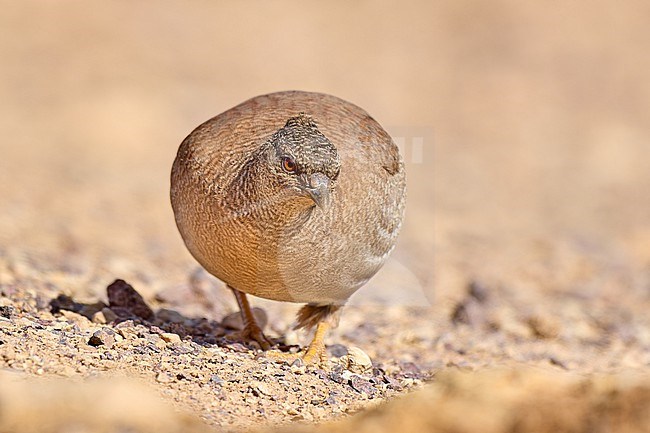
x=67 y=371
x=170 y=338
x=104 y=336
x=169 y=316
x=165 y=378
x=407 y=382
x=127 y=330
x=555 y=361
x=337 y=377
x=109 y=315
x=356 y=361
x=217 y=380
x=392 y=383
x=291 y=338
x=77 y=319
x=543 y=328
x=261 y=388
x=410 y=370
x=362 y=385
x=8 y=352
x=238 y=347
x=156 y=341
x=99 y=317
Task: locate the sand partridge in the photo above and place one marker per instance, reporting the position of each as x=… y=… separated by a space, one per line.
x=291 y=196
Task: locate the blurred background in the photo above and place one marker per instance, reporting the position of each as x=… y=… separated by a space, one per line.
x=525 y=127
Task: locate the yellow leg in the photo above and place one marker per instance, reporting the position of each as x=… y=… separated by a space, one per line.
x=252 y=330
x=314 y=354
x=316 y=350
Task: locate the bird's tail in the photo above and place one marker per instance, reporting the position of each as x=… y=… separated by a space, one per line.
x=311 y=314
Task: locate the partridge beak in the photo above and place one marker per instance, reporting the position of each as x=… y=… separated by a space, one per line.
x=319 y=190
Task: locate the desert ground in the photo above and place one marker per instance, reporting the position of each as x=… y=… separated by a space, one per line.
x=517 y=298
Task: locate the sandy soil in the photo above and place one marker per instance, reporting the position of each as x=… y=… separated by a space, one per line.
x=517 y=297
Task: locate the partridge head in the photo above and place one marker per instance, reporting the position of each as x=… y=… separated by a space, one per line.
x=298 y=165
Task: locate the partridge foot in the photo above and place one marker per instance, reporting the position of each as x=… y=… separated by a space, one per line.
x=252 y=330
x=315 y=353
x=252 y=333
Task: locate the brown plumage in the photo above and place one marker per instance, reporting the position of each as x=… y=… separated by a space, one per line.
x=291 y=196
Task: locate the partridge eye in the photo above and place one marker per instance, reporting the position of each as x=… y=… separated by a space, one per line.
x=288 y=164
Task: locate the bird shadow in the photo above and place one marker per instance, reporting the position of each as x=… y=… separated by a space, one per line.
x=127 y=308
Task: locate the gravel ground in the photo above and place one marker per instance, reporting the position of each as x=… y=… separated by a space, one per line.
x=517 y=297
x=191 y=360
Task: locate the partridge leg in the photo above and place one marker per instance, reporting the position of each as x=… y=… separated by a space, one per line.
x=316 y=350
x=252 y=330
x=314 y=354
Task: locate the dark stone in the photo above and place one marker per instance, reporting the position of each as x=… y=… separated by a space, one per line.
x=468 y=312
x=460 y=314
x=89 y=310
x=64 y=302
x=6 y=311
x=125 y=301
x=477 y=291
